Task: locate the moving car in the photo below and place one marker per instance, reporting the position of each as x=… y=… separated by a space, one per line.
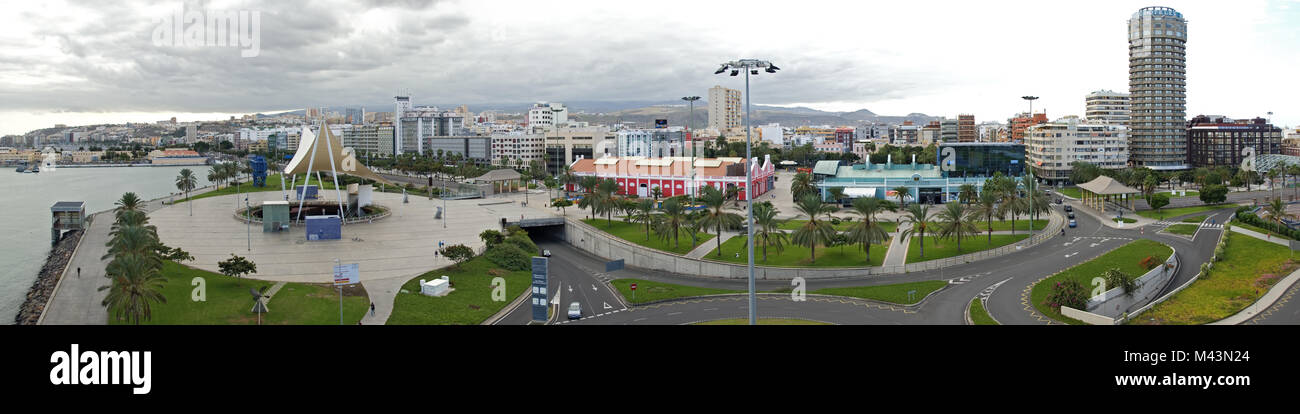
x=1068 y=208
x=546 y=252
x=1070 y=215
x=575 y=310
x=1073 y=224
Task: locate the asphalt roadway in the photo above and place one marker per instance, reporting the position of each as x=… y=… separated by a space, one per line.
x=1004 y=280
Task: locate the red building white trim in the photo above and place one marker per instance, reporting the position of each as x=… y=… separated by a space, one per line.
x=673 y=175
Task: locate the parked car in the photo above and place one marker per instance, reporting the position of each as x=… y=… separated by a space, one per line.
x=1073 y=224
x=575 y=310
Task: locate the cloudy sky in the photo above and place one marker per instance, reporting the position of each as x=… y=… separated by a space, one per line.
x=82 y=62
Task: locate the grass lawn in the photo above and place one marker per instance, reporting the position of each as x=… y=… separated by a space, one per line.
x=1175 y=212
x=649 y=291
x=1249 y=267
x=1259 y=230
x=1126 y=258
x=762 y=321
x=635 y=233
x=979 y=315
x=1124 y=220
x=888 y=226
x=938 y=249
x=799 y=256
x=1183 y=229
x=1073 y=192
x=469 y=304
x=896 y=293
x=1195 y=219
x=1021 y=224
x=1190 y=193
x=229 y=302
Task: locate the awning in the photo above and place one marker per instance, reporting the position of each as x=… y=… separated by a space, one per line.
x=856 y=192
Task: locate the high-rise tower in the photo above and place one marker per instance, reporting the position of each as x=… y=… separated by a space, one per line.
x=1157 y=84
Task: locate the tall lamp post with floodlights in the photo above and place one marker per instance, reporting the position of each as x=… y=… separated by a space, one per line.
x=555 y=126
x=750 y=67
x=690 y=100
x=1031 y=100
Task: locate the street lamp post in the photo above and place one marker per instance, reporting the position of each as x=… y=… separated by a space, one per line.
x=1031 y=100
x=559 y=156
x=248 y=221
x=690 y=100
x=749 y=66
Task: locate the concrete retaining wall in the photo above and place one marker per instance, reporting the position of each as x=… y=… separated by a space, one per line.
x=1086 y=317
x=1114 y=303
x=599 y=243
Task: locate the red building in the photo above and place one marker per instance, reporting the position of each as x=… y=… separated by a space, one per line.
x=673 y=175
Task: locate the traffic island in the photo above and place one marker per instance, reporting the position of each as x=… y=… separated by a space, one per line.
x=1245 y=270
x=1075 y=287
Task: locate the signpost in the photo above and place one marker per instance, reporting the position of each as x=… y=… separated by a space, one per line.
x=348 y=274
x=634 y=292
x=540 y=304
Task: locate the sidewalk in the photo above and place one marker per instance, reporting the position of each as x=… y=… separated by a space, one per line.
x=897 y=255
x=705 y=248
x=1264 y=237
x=1108 y=219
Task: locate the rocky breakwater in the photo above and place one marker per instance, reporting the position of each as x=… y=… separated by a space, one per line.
x=41 y=291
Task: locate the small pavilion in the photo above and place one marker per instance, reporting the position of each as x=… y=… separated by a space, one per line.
x=1103 y=189
x=502 y=180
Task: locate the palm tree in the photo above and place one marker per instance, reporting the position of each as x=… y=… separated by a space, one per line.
x=656 y=193
x=644 y=213
x=606 y=200
x=955 y=220
x=186 y=182
x=902 y=192
x=715 y=216
x=588 y=184
x=215 y=177
x=1272 y=181
x=1276 y=211
x=1294 y=171
x=673 y=216
x=967 y=194
x=733 y=193
x=919 y=217
x=1036 y=201
x=1012 y=202
x=836 y=194
x=814 y=231
x=767 y=229
x=867 y=231
x=135 y=282
x=801 y=185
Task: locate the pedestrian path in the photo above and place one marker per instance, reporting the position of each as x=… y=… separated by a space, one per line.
x=897 y=255
x=1204 y=225
x=1265 y=237
x=704 y=248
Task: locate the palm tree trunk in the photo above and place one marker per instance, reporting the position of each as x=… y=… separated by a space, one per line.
x=719 y=227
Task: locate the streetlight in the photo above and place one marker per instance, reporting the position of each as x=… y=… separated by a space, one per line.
x=1031 y=100
x=750 y=67
x=690 y=100
x=559 y=154
x=248 y=221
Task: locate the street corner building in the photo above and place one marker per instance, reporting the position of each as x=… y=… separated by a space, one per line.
x=676 y=176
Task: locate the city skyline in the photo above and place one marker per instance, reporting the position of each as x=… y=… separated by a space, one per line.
x=100 y=66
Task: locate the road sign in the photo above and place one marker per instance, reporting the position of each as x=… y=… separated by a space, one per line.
x=540 y=304
x=634 y=286
x=348 y=274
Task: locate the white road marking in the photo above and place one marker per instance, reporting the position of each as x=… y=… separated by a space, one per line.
x=607 y=306
x=1071 y=254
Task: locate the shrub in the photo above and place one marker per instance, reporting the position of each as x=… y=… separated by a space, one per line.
x=510 y=257
x=1067 y=293
x=1117 y=278
x=1149 y=262
x=491 y=237
x=458 y=253
x=522 y=241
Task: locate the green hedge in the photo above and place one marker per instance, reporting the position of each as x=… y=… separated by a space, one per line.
x=1245 y=216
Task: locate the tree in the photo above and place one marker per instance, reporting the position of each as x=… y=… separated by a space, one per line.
x=836 y=194
x=956 y=222
x=561 y=204
x=902 y=192
x=733 y=194
x=673 y=216
x=715 y=217
x=801 y=185
x=458 y=253
x=814 y=231
x=767 y=229
x=1012 y=202
x=919 y=217
x=1214 y=194
x=606 y=201
x=491 y=238
x=967 y=193
x=644 y=213
x=1082 y=172
x=1276 y=211
x=135 y=283
x=656 y=193
x=236 y=266
x=1158 y=201
x=186 y=181
x=1067 y=293
x=1036 y=201
x=174 y=254
x=868 y=231
x=1117 y=278
x=987 y=207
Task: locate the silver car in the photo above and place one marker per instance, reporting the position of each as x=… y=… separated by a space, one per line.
x=575 y=310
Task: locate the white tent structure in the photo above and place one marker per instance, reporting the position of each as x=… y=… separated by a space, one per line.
x=311 y=158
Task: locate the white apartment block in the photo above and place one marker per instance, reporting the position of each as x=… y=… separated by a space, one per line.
x=1107 y=106
x=547 y=116
x=1050 y=148
x=518 y=149
x=772 y=133
x=724 y=108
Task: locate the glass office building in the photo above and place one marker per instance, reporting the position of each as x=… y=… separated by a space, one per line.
x=982 y=159
x=959 y=163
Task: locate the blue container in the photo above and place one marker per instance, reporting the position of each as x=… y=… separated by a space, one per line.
x=309 y=195
x=324 y=228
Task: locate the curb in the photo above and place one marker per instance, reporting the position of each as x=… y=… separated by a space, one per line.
x=1288 y=281
x=723 y=295
x=492 y=320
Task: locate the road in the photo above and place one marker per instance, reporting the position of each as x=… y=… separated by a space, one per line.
x=574 y=276
x=1006 y=280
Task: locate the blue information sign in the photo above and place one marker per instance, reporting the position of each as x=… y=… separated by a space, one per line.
x=539 y=289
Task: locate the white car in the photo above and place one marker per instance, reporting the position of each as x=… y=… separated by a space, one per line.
x=546 y=253
x=575 y=310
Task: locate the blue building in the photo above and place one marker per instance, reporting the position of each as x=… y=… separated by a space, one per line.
x=959 y=163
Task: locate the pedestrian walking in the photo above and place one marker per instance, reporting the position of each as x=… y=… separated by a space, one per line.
x=372 y=309
x=78 y=273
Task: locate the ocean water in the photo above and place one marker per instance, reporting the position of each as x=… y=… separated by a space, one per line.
x=25 y=201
